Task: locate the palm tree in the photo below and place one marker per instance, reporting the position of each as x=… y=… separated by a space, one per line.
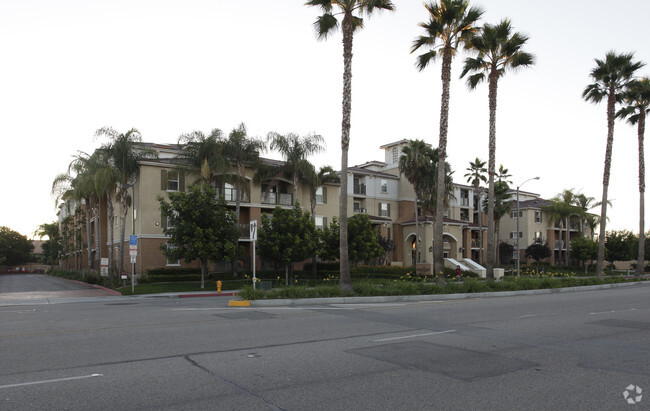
x=126 y=150
x=412 y=163
x=475 y=176
x=326 y=24
x=105 y=183
x=637 y=106
x=498 y=50
x=611 y=76
x=316 y=179
x=502 y=175
x=241 y=150
x=203 y=153
x=562 y=207
x=295 y=150
x=451 y=24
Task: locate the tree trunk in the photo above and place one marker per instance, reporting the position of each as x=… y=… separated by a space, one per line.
x=237 y=214
x=417 y=236
x=88 y=236
x=111 y=247
x=492 y=101
x=312 y=200
x=204 y=271
x=438 y=262
x=640 y=259
x=123 y=212
x=566 y=245
x=345 y=279
x=611 y=103
x=98 y=247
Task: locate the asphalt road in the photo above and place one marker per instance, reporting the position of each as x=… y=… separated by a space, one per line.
x=577 y=350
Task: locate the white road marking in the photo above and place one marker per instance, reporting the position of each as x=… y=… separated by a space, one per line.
x=414 y=336
x=50 y=381
x=612 y=311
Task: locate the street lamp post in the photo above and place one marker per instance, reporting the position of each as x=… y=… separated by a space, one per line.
x=518 y=250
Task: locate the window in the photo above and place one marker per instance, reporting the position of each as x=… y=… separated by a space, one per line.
x=172 y=261
x=321 y=222
x=172 y=180
x=513 y=214
x=384 y=209
x=229 y=192
x=384 y=186
x=395 y=160
x=464 y=198
x=513 y=234
x=321 y=195
x=538 y=216
x=357 y=207
x=464 y=214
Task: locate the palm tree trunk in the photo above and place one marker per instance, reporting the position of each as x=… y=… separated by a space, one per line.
x=312 y=200
x=345 y=279
x=123 y=212
x=438 y=263
x=611 y=103
x=237 y=213
x=111 y=223
x=98 y=247
x=492 y=102
x=417 y=237
x=640 y=259
x=88 y=236
x=566 y=256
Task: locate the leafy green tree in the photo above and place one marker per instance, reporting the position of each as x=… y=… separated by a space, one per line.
x=451 y=24
x=125 y=152
x=619 y=245
x=363 y=242
x=326 y=24
x=15 y=248
x=637 y=106
x=611 y=77
x=288 y=236
x=200 y=227
x=506 y=252
x=387 y=245
x=538 y=252
x=498 y=50
x=331 y=241
x=362 y=239
x=584 y=249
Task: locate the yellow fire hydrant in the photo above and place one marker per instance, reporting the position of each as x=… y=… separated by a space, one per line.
x=218 y=286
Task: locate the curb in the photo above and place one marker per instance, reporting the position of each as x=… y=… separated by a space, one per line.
x=424 y=297
x=228 y=294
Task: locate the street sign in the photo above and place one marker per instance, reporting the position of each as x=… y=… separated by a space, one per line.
x=133 y=240
x=253 y=230
x=133 y=253
x=133 y=257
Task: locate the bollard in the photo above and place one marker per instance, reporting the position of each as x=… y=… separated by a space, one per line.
x=218 y=286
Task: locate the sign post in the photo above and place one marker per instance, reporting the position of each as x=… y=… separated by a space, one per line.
x=133 y=250
x=253 y=237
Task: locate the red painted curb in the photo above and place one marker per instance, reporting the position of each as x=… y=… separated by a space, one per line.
x=94 y=286
x=206 y=295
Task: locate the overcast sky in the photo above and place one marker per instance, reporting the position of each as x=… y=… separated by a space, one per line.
x=169 y=67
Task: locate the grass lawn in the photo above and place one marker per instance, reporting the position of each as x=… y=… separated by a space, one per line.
x=178 y=287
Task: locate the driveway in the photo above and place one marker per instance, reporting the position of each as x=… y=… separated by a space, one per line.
x=39 y=287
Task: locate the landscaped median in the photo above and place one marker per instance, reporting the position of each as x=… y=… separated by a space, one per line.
x=414 y=290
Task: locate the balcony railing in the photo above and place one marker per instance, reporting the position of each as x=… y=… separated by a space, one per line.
x=277 y=199
x=230 y=195
x=244 y=231
x=359 y=189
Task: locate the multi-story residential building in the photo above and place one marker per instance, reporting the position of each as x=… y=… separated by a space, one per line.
x=375 y=188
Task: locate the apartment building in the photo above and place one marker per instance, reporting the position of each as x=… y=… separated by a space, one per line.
x=375 y=188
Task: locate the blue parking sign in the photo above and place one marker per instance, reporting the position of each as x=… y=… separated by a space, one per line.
x=133 y=240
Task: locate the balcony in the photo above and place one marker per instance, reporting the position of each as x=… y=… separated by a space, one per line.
x=277 y=199
x=230 y=195
x=359 y=189
x=244 y=231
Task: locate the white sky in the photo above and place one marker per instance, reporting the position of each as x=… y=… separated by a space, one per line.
x=166 y=67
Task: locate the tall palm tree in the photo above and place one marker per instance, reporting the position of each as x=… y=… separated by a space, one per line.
x=637 y=106
x=498 y=50
x=106 y=179
x=126 y=150
x=502 y=175
x=451 y=24
x=611 y=76
x=562 y=207
x=475 y=176
x=325 y=25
